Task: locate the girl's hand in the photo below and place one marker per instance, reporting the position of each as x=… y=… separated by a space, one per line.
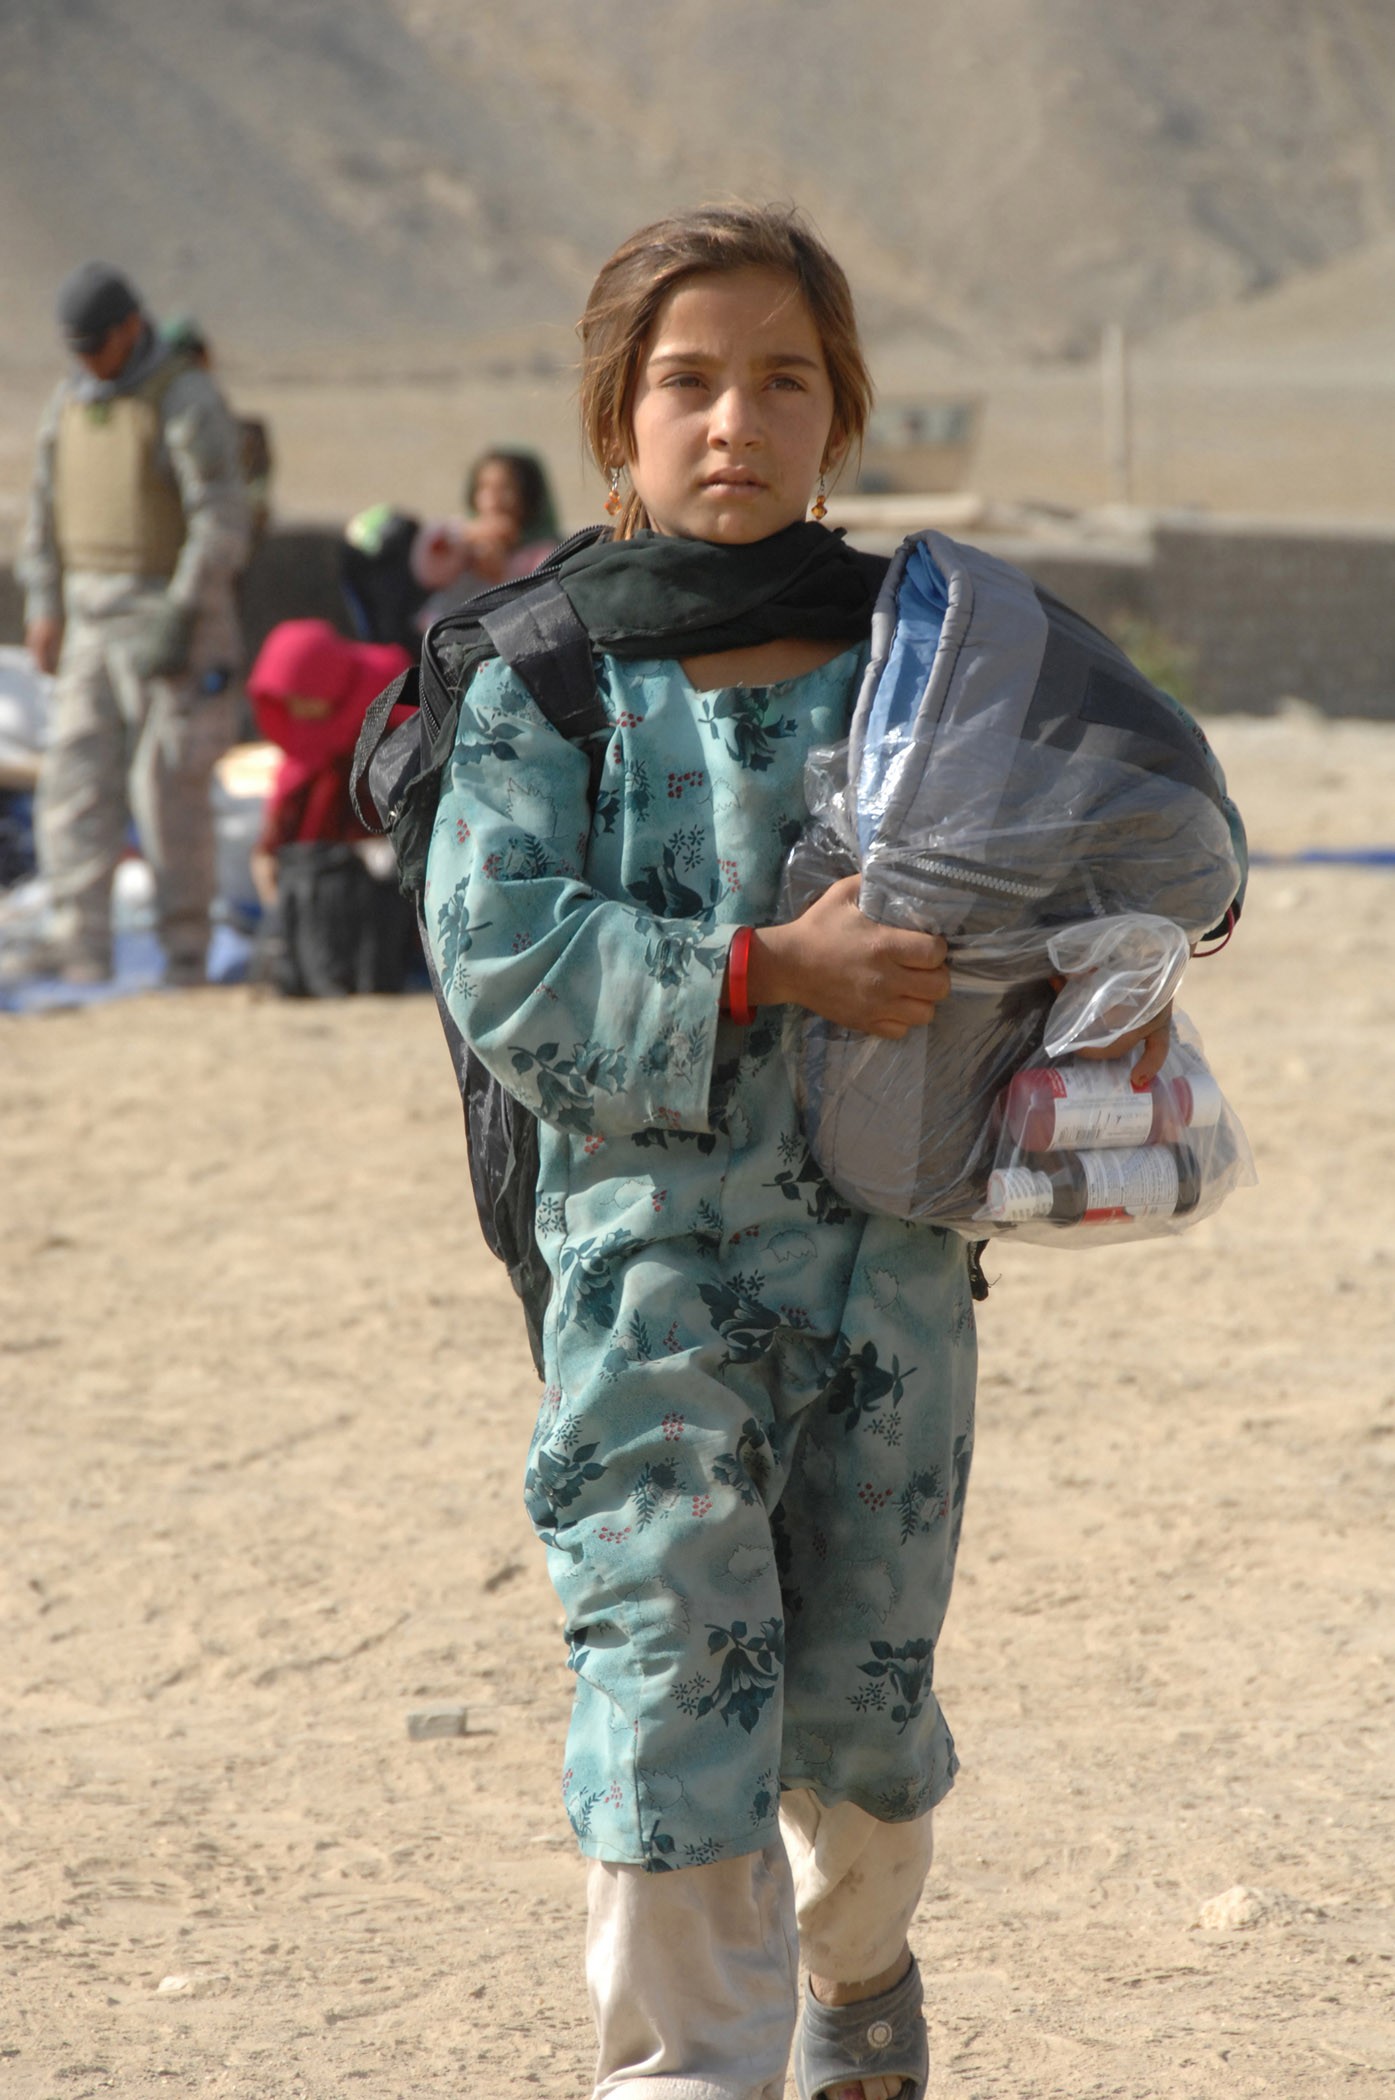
x=442 y=552
x=1156 y=1038
x=880 y=980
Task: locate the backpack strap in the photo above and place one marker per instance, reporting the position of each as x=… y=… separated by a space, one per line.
x=540 y=636
x=535 y=628
x=403 y=692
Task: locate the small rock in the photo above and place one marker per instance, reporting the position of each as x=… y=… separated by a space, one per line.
x=209 y=1985
x=1240 y=1909
x=430 y=1721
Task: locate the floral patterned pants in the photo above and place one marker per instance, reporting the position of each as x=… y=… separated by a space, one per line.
x=755 y=1560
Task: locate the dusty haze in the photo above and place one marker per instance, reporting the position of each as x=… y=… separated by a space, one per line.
x=387 y=212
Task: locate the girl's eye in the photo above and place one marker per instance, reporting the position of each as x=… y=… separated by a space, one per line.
x=787 y=382
x=683 y=379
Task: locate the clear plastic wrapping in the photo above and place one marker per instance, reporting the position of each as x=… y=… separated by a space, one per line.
x=1083 y=1158
x=1070 y=908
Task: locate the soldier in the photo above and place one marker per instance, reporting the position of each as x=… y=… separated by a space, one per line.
x=137 y=527
x=254 y=456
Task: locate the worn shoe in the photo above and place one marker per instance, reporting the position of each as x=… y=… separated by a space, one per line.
x=881 y=2037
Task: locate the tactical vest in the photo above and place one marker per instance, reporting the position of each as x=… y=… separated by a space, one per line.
x=116 y=507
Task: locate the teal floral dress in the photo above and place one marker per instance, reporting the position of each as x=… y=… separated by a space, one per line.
x=752 y=1452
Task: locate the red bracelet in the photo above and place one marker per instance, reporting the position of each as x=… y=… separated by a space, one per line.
x=738 y=962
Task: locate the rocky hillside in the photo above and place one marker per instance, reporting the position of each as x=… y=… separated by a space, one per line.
x=375 y=183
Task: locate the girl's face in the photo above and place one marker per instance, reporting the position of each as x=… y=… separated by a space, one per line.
x=733 y=410
x=496 y=492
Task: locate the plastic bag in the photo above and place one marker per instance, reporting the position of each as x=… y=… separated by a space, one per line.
x=1057 y=944
x=1081 y=1158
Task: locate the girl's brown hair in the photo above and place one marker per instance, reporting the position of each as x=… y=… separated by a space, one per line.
x=712 y=240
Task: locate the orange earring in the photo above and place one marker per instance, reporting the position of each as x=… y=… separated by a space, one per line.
x=818 y=509
x=613 y=503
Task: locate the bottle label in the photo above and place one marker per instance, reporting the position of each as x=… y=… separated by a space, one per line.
x=1016 y=1194
x=1093 y=1108
x=1140 y=1184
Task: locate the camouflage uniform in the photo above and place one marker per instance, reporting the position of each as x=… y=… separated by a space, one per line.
x=137 y=519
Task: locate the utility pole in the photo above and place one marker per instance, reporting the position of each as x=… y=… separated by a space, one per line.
x=1117 y=392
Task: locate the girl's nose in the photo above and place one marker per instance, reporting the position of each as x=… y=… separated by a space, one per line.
x=735 y=419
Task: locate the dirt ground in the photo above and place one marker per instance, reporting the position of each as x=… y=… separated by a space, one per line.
x=266 y=1401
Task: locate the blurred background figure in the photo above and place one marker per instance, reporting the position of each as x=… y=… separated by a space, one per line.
x=381 y=593
x=398 y=574
x=255 y=457
x=335 y=920
x=510 y=526
x=24 y=706
x=137 y=527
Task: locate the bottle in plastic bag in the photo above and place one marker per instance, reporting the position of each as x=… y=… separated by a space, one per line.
x=1081 y=1107
x=1085 y=1188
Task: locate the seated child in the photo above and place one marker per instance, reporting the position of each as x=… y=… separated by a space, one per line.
x=330 y=891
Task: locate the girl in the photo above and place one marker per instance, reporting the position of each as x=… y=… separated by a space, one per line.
x=512 y=483
x=511 y=527
x=751 y=1458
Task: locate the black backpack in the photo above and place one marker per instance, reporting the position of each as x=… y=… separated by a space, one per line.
x=338 y=927
x=529 y=623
